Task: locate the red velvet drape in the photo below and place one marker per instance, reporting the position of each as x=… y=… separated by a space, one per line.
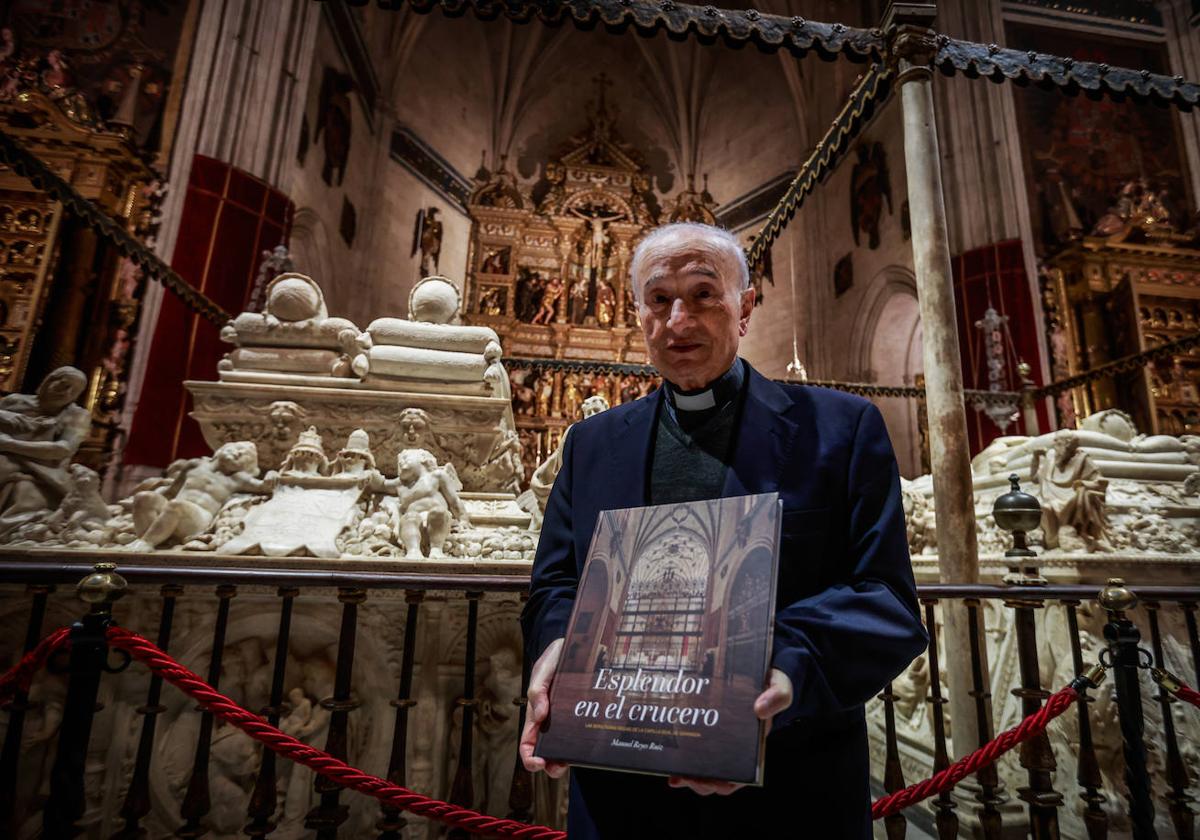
x=229 y=218
x=995 y=274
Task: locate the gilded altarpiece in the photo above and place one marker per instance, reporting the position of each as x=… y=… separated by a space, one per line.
x=66 y=296
x=548 y=270
x=1114 y=295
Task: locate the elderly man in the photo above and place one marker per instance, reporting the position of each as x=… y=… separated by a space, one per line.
x=846 y=615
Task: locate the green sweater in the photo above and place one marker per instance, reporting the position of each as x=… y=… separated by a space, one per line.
x=691 y=458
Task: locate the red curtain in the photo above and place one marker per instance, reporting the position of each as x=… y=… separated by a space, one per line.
x=995 y=275
x=229 y=218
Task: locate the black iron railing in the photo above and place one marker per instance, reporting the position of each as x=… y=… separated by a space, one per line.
x=1043 y=795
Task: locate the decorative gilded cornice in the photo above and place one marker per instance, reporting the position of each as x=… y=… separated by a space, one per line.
x=26 y=164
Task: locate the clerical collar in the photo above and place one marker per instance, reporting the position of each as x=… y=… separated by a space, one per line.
x=714 y=395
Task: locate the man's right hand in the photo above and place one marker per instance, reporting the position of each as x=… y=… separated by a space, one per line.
x=537 y=709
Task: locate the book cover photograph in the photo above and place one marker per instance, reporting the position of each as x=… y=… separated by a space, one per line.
x=669 y=642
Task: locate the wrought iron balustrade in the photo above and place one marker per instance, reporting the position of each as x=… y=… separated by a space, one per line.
x=116 y=800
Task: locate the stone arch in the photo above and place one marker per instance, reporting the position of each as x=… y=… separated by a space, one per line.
x=887 y=350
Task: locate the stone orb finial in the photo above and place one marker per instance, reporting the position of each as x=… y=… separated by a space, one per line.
x=294 y=297
x=1112 y=422
x=434 y=300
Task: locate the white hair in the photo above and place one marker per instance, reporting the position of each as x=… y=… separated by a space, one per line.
x=655 y=243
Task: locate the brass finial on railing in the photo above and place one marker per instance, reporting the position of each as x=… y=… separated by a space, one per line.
x=102 y=587
x=1019 y=513
x=1116 y=597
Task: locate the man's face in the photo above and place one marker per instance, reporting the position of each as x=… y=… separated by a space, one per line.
x=693 y=310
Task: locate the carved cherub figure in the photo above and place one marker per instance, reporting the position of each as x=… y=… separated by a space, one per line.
x=427 y=501
x=307 y=456
x=187 y=507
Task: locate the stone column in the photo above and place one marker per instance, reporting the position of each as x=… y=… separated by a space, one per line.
x=958 y=561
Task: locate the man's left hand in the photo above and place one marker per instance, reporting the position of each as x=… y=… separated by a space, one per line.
x=775 y=698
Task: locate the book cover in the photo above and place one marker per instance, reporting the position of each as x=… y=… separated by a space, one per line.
x=669 y=642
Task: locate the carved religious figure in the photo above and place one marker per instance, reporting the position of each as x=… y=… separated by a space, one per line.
x=39 y=434
x=313 y=505
x=426 y=501
x=550 y=295
x=528 y=294
x=427 y=240
x=578 y=300
x=594 y=245
x=870 y=190
x=1072 y=493
x=606 y=303
x=186 y=507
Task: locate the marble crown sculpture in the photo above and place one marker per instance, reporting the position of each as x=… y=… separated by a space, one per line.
x=418 y=412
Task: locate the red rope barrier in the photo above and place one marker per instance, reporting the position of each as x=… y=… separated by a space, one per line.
x=1189 y=695
x=322 y=763
x=1176 y=687
x=20 y=676
x=1031 y=727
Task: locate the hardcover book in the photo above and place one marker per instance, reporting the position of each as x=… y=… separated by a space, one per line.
x=669 y=642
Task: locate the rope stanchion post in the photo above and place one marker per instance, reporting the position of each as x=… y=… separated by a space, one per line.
x=88 y=662
x=1124 y=656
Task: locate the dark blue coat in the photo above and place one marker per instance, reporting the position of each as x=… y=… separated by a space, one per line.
x=847 y=619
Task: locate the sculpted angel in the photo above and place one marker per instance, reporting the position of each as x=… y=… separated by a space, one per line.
x=427 y=501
